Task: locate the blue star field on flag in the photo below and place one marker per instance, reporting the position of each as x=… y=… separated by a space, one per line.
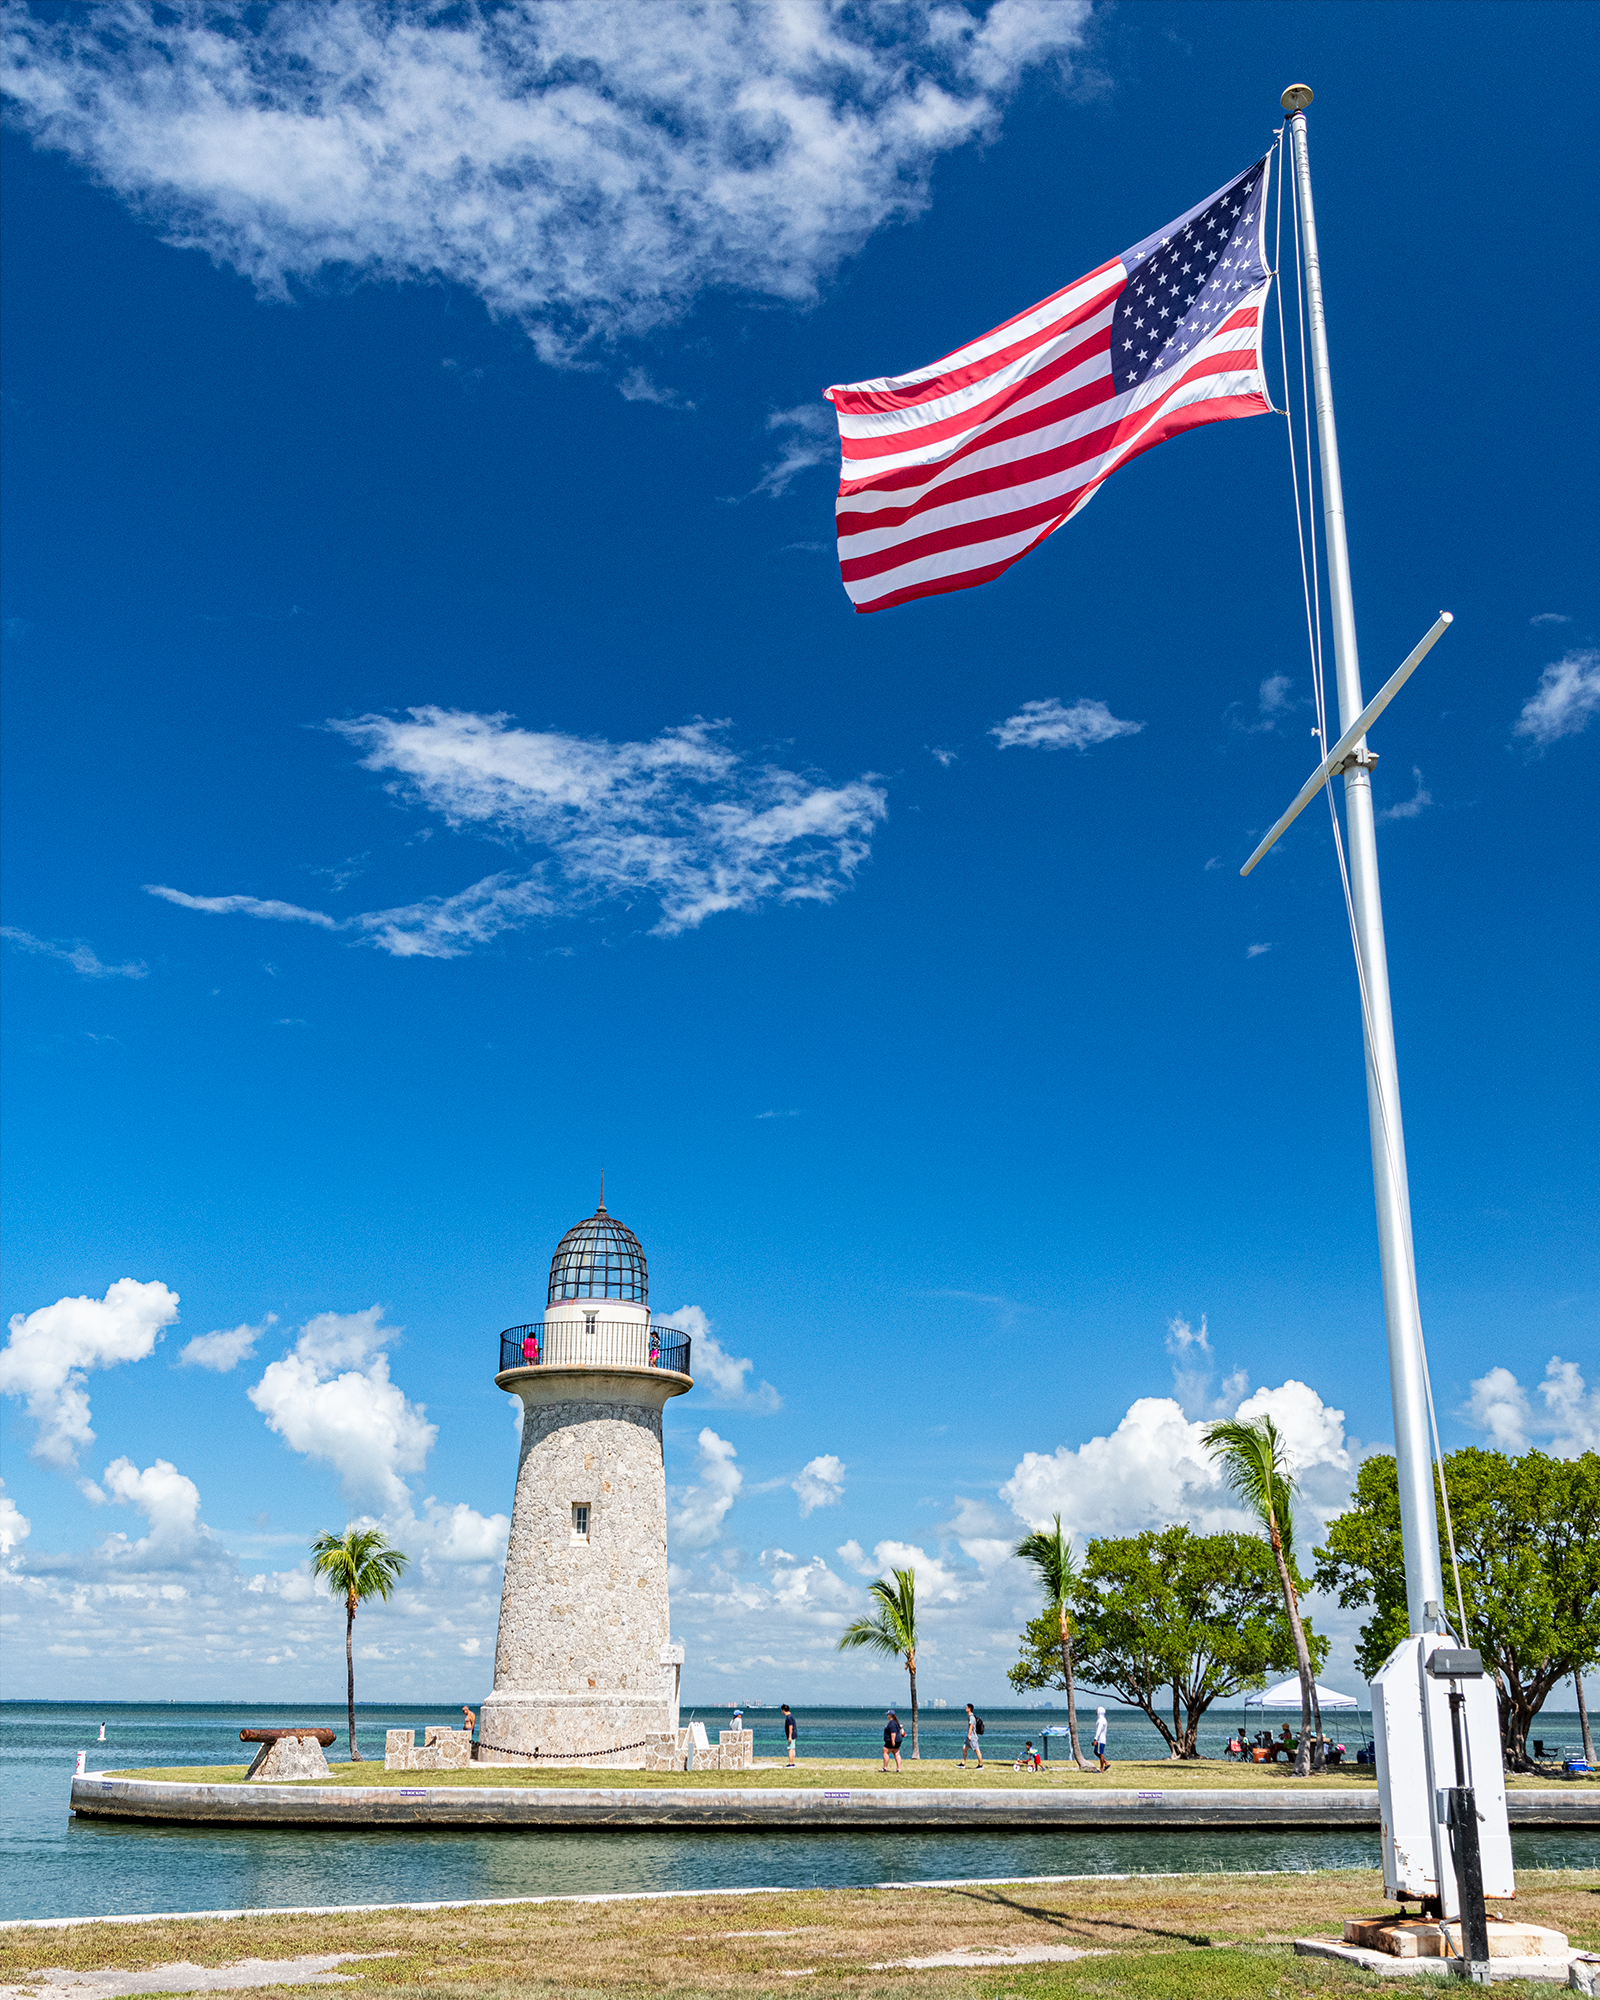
x=1182 y=282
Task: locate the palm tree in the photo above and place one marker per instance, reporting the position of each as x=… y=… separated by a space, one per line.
x=891 y=1630
x=356 y=1565
x=1050 y=1555
x=1255 y=1463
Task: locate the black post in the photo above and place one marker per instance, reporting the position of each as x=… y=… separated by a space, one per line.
x=1468 y=1861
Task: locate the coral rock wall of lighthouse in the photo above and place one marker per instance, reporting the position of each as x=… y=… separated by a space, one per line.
x=579 y=1664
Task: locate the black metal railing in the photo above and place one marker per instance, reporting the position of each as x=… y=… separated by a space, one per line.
x=594 y=1343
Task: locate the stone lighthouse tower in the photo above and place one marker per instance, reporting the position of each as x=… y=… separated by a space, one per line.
x=584 y=1667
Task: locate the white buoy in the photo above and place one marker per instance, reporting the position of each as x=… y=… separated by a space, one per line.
x=83 y=1762
x=102 y=1732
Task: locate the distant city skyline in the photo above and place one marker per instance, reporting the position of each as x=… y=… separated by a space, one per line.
x=442 y=762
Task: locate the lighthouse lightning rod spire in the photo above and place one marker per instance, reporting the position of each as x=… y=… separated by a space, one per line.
x=1419 y=1528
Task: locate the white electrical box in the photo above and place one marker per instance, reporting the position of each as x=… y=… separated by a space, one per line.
x=1415 y=1750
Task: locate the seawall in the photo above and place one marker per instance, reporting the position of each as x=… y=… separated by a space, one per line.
x=95 y=1796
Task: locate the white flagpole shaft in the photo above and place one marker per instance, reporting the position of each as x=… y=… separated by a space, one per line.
x=1418 y=1521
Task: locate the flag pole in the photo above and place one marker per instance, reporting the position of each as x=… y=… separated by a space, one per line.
x=1413 y=1463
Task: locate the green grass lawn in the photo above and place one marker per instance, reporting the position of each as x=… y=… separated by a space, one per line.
x=1195 y=1937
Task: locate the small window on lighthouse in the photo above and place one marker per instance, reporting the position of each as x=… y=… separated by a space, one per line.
x=580 y=1520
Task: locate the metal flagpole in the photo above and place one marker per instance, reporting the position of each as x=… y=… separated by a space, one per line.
x=1413 y=1464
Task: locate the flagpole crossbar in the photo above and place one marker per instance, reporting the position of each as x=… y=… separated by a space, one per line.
x=1348 y=751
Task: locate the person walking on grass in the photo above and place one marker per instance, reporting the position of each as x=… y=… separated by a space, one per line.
x=789 y=1729
x=974 y=1731
x=1100 y=1729
x=893 y=1736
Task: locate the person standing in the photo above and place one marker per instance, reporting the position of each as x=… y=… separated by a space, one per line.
x=1100 y=1729
x=789 y=1729
x=971 y=1743
x=893 y=1737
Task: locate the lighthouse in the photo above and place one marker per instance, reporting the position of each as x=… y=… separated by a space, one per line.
x=585 y=1672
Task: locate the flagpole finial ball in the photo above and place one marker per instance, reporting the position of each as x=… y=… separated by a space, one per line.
x=1296 y=98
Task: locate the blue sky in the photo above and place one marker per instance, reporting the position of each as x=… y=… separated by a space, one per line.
x=436 y=539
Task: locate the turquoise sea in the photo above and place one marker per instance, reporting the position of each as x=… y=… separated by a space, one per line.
x=54 y=1865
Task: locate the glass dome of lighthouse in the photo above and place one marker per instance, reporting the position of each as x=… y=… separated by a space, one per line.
x=599 y=1258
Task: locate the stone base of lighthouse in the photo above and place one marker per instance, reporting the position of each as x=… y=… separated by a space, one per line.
x=585 y=1672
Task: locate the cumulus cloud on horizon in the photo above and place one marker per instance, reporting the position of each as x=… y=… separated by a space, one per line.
x=1567 y=1425
x=682 y=822
x=587 y=170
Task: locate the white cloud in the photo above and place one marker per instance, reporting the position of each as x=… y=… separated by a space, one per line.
x=78 y=955
x=723 y=1375
x=1046 y=725
x=640 y=386
x=1568 y=1425
x=820 y=1484
x=704 y=1506
x=49 y=1353
x=222 y=1352
x=169 y=1501
x=937 y=1582
x=1194 y=1366
x=1155 y=1469
x=15 y=1527
x=1550 y=618
x=681 y=820
x=331 y=1398
x=248 y=906
x=807 y=435
x=983 y=1537
x=856 y=1557
x=586 y=169
x=1418 y=803
x=1567 y=695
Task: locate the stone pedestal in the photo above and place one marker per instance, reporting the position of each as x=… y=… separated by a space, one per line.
x=583 y=1671
x=289 y=1761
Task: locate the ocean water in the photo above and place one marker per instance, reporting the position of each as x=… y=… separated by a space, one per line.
x=54 y=1865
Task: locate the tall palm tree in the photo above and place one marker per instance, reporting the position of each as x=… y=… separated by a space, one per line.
x=891 y=1629
x=1255 y=1462
x=1049 y=1553
x=356 y=1565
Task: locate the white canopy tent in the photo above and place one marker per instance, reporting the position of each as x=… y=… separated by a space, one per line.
x=1287 y=1695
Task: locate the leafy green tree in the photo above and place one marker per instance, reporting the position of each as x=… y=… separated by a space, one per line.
x=1049 y=1554
x=1174 y=1619
x=356 y=1565
x=1528 y=1539
x=892 y=1630
x=1255 y=1463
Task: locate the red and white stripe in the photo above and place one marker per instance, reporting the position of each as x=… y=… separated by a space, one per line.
x=952 y=472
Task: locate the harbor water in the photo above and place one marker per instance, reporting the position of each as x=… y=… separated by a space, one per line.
x=54 y=1865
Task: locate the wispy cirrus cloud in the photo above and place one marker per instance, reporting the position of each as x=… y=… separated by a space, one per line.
x=586 y=169
x=807 y=435
x=81 y=957
x=1561 y=705
x=1412 y=808
x=1046 y=725
x=682 y=821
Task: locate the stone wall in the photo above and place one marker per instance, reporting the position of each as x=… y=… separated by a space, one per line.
x=735 y=1751
x=442 y=1750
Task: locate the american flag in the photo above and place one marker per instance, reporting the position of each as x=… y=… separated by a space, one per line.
x=952 y=472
